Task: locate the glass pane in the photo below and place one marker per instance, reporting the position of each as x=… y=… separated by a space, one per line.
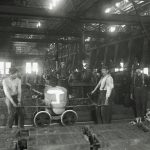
x=7 y=71
x=35 y=67
x=2 y=71
x=8 y=64
x=1 y=65
x=28 y=68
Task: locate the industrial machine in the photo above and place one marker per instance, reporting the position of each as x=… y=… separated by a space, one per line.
x=55 y=101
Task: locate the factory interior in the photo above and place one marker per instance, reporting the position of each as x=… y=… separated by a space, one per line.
x=74 y=74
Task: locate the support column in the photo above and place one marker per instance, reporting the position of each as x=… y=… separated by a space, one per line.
x=56 y=57
x=130 y=57
x=105 y=55
x=146 y=53
x=116 y=53
x=83 y=41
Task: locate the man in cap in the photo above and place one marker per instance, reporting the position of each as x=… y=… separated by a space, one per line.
x=139 y=93
x=12 y=90
x=105 y=86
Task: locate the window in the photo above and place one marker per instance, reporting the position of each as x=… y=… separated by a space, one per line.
x=1 y=67
x=28 y=68
x=35 y=67
x=31 y=67
x=4 y=67
x=7 y=66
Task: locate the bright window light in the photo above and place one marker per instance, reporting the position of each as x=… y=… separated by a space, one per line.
x=116 y=69
x=38 y=25
x=121 y=64
x=35 y=67
x=76 y=70
x=50 y=6
x=54 y=3
x=31 y=67
x=4 y=67
x=107 y=10
x=1 y=65
x=28 y=68
x=84 y=65
x=117 y=4
x=123 y=26
x=121 y=69
x=87 y=39
x=112 y=29
x=126 y=1
x=145 y=71
x=7 y=65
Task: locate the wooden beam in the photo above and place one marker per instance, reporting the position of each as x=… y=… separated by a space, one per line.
x=19 y=30
x=130 y=57
x=22 y=12
x=44 y=40
x=119 y=41
x=31 y=31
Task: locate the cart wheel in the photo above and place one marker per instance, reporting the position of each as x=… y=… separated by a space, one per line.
x=42 y=118
x=69 y=117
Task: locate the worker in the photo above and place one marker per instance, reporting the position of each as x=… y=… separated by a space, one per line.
x=105 y=86
x=12 y=90
x=139 y=93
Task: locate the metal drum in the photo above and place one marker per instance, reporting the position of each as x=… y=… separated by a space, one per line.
x=56 y=98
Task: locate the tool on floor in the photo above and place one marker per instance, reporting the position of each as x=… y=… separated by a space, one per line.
x=21 y=139
x=92 y=138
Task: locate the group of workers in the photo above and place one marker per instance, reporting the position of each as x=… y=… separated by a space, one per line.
x=105 y=86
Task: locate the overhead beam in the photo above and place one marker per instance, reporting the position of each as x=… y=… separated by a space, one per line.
x=115 y=19
x=34 y=31
x=89 y=17
x=56 y=34
x=44 y=40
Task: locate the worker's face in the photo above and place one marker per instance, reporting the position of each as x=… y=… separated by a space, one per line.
x=104 y=72
x=14 y=76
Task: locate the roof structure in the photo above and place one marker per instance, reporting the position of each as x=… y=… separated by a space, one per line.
x=24 y=23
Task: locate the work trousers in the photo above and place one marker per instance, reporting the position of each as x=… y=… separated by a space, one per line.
x=15 y=113
x=141 y=97
x=103 y=112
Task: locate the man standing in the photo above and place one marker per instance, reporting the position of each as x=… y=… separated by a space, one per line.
x=105 y=86
x=139 y=93
x=63 y=75
x=12 y=90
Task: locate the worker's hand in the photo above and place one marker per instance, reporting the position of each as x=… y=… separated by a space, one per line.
x=19 y=104
x=106 y=101
x=131 y=96
x=92 y=92
x=14 y=104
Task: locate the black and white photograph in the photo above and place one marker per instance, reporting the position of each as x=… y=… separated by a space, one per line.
x=74 y=74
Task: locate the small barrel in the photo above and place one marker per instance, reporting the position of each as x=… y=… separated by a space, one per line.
x=56 y=97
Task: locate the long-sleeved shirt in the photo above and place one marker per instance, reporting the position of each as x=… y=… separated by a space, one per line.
x=106 y=83
x=12 y=87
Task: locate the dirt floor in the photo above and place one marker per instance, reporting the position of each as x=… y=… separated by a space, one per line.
x=115 y=136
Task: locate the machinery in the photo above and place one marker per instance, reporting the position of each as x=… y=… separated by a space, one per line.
x=55 y=100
